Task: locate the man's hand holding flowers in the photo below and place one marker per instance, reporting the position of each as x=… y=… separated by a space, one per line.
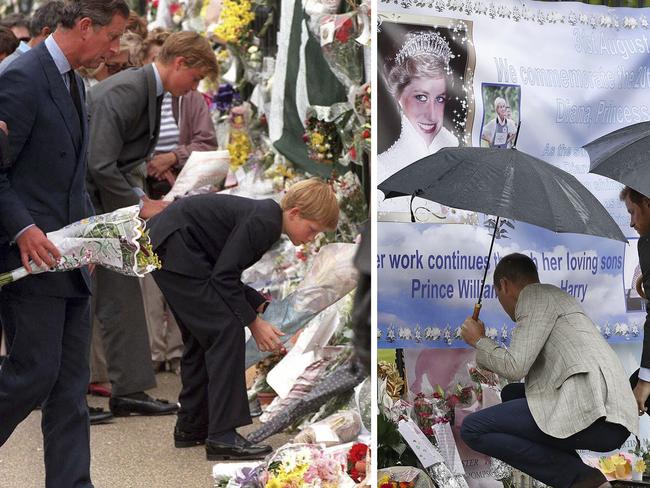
x=151 y=207
x=35 y=246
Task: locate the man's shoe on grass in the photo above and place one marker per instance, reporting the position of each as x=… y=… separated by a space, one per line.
x=188 y=439
x=140 y=404
x=241 y=449
x=99 y=416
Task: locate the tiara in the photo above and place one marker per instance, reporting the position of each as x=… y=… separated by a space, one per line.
x=423 y=43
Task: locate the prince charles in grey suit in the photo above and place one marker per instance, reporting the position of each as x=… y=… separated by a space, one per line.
x=575 y=393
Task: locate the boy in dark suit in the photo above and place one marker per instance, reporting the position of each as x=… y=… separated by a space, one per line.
x=205 y=242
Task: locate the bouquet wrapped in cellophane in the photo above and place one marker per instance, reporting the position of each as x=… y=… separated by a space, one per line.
x=116 y=240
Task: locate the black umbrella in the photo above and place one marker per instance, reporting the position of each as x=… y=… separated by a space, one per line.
x=506 y=183
x=622 y=155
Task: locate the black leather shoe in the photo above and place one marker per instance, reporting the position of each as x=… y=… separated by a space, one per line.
x=140 y=404
x=99 y=416
x=241 y=449
x=188 y=439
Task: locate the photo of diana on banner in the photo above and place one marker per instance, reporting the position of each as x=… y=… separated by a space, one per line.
x=423 y=83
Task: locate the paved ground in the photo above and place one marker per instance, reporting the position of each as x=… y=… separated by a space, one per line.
x=133 y=452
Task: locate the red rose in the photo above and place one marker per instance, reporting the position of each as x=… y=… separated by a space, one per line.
x=365 y=134
x=353 y=154
x=173 y=8
x=453 y=401
x=154 y=4
x=343 y=33
x=357 y=452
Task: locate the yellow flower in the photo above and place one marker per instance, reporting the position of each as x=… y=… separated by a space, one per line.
x=317 y=138
x=273 y=483
x=615 y=466
x=639 y=466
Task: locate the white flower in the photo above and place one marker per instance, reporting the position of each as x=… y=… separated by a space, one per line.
x=584 y=19
x=491 y=332
x=440 y=5
x=492 y=10
x=432 y=333
x=405 y=333
x=643 y=21
x=480 y=8
x=468 y=8
x=630 y=22
x=457 y=335
x=503 y=12
x=572 y=18
x=516 y=14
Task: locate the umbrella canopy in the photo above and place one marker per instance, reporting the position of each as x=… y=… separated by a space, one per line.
x=622 y=155
x=506 y=183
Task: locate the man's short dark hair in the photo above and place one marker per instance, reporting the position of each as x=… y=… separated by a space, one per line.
x=15 y=20
x=515 y=267
x=101 y=12
x=8 y=41
x=632 y=194
x=47 y=15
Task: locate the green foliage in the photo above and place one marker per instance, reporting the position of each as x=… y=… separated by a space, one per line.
x=391 y=448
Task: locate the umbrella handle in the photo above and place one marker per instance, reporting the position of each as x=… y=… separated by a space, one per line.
x=477 y=310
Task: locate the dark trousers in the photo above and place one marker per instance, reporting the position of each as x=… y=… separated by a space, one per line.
x=213 y=373
x=509 y=432
x=119 y=309
x=47 y=364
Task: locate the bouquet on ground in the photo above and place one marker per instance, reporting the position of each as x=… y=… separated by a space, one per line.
x=622 y=466
x=305 y=466
x=116 y=240
x=357 y=462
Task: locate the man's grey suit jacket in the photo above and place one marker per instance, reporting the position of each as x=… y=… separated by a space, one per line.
x=124 y=126
x=572 y=376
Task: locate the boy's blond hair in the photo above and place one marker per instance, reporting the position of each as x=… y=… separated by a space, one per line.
x=315 y=201
x=194 y=48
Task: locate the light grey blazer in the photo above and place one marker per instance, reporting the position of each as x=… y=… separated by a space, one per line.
x=124 y=127
x=572 y=376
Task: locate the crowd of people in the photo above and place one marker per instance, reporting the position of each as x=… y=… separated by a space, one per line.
x=102 y=114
